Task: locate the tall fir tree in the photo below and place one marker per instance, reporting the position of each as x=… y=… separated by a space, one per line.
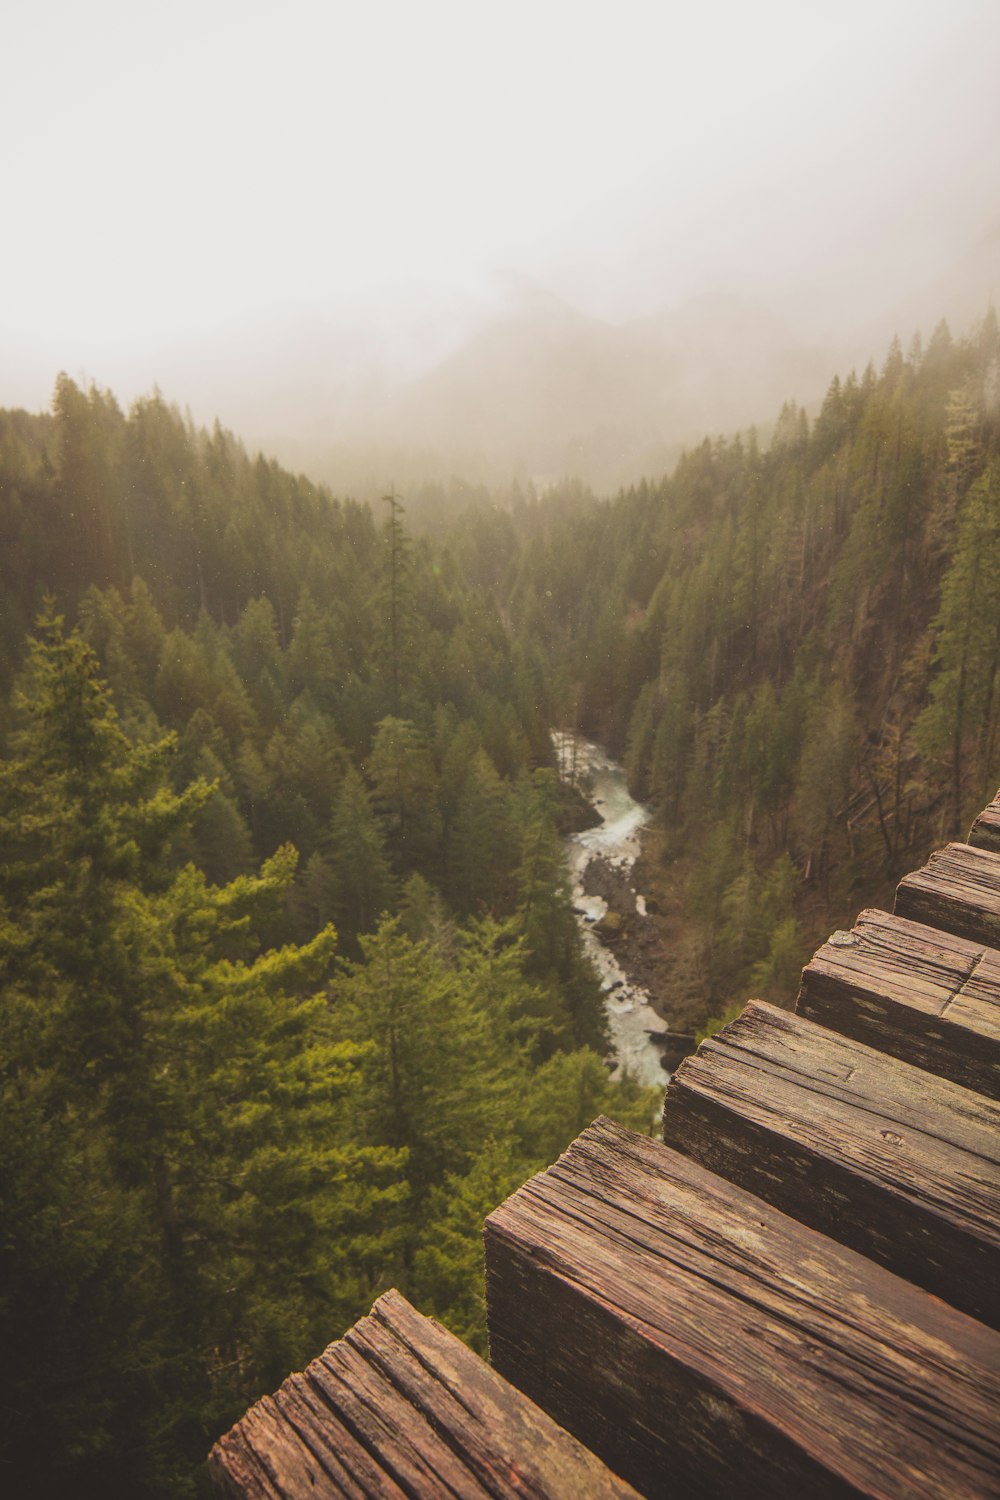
x=187 y=1206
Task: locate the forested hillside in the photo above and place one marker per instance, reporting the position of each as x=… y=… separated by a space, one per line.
x=796 y=651
x=292 y=992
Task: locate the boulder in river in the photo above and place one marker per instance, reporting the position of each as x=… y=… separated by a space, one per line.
x=602 y=878
x=609 y=928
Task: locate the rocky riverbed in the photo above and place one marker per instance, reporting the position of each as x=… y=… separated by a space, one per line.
x=633 y=931
x=623 y=937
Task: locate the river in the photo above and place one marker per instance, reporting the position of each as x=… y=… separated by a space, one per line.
x=615 y=841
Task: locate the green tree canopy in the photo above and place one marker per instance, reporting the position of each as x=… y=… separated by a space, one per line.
x=176 y=1117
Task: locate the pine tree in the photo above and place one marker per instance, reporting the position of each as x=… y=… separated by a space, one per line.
x=449 y=1274
x=958 y=726
x=545 y=921
x=440 y=1069
x=154 y=1061
x=481 y=847
x=405 y=790
x=363 y=883
x=398 y=625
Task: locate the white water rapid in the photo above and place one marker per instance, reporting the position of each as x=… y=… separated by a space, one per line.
x=616 y=842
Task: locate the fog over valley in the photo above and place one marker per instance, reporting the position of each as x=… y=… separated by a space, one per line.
x=553 y=239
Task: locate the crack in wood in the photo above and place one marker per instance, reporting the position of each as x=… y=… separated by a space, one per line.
x=977 y=964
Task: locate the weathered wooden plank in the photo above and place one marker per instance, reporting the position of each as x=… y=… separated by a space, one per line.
x=958 y=891
x=404 y=1445
x=900 y=1165
x=280 y=1449
x=293 y=1444
x=703 y=1343
x=985 y=831
x=925 y=996
x=400 y=1408
x=459 y=1393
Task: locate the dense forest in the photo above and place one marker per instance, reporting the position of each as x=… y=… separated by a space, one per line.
x=795 y=649
x=292 y=990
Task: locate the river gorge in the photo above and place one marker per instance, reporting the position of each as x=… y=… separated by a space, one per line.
x=601 y=861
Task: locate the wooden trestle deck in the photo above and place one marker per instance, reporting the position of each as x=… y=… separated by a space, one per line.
x=798 y=1293
x=399 y=1407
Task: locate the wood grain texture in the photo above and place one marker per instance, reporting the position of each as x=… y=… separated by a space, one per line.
x=925 y=996
x=705 y=1344
x=899 y=1165
x=400 y=1408
x=985 y=831
x=958 y=891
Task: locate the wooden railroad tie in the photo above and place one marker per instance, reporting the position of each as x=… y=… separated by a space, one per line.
x=704 y=1343
x=985 y=831
x=920 y=994
x=802 y=1298
x=895 y=1163
x=958 y=891
x=400 y=1409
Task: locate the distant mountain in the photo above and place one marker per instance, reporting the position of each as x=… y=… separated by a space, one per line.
x=528 y=387
x=544 y=389
x=537 y=389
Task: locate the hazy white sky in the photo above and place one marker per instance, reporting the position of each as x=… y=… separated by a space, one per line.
x=179 y=170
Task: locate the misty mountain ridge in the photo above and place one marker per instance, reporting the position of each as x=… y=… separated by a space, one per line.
x=526 y=387
x=535 y=389
x=544 y=389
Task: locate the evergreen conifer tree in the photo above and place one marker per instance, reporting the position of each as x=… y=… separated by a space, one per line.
x=188 y=1209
